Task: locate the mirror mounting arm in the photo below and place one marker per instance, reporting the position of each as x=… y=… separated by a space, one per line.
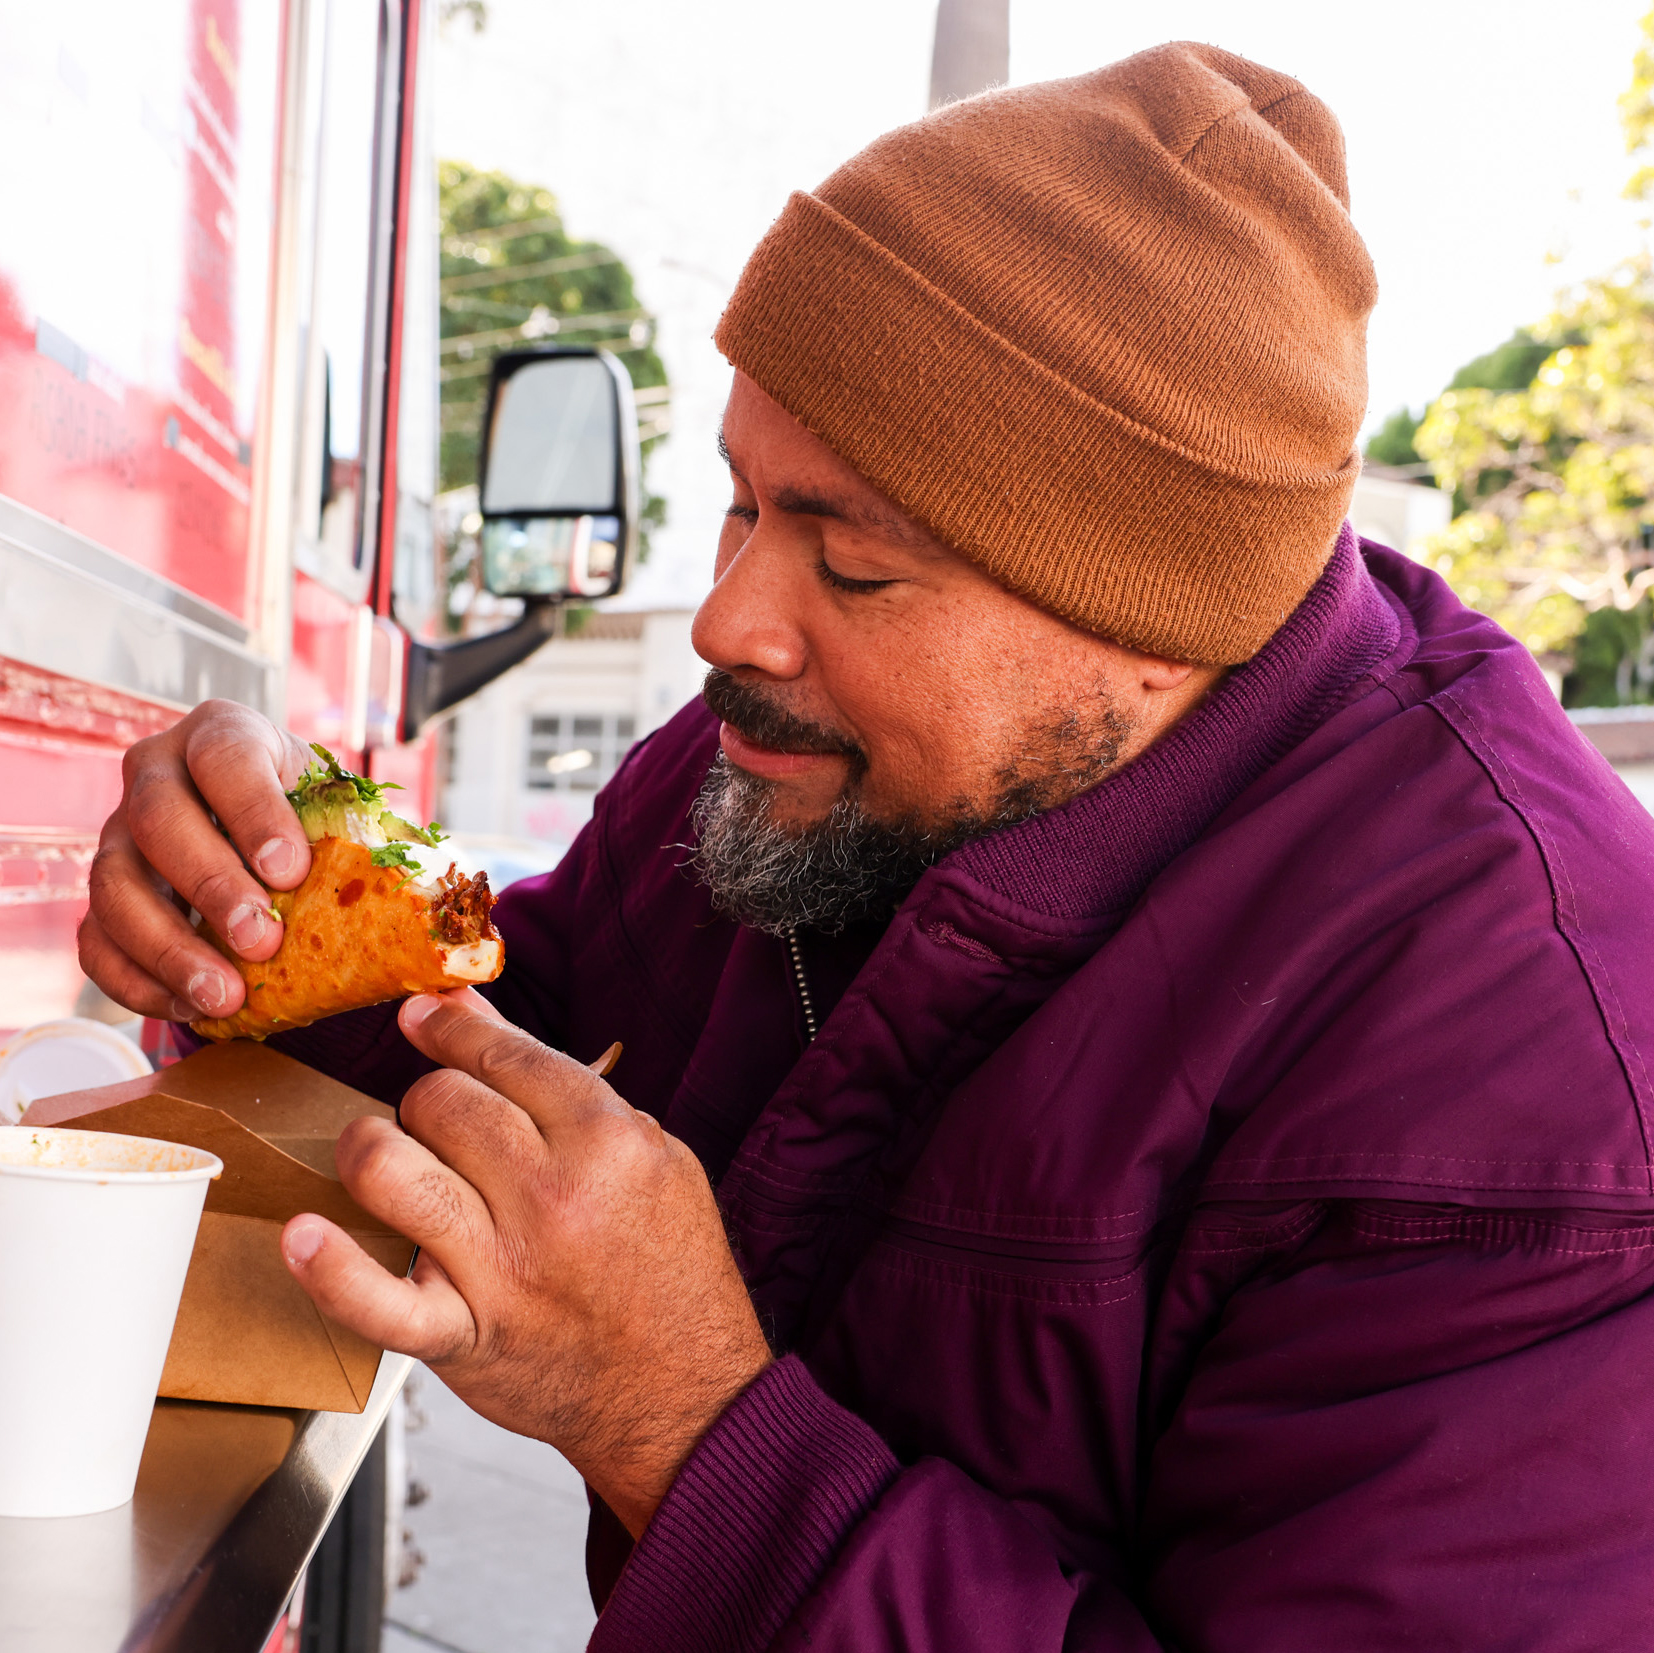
x=441 y=675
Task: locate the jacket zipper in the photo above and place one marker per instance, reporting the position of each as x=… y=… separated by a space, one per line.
x=796 y=954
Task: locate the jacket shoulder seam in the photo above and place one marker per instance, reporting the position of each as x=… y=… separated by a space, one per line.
x=1565 y=913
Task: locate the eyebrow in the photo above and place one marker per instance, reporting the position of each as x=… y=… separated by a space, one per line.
x=801 y=502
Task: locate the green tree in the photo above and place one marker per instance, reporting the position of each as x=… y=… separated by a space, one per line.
x=1637 y=116
x=1613 y=659
x=511 y=274
x=1556 y=480
x=1392 y=442
x=1552 y=464
x=476 y=10
x=1510 y=366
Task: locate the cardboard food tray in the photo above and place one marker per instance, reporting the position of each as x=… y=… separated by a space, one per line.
x=246 y=1331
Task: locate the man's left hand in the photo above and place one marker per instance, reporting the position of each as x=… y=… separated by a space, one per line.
x=574 y=1281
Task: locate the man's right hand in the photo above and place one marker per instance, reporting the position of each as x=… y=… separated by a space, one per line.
x=161 y=854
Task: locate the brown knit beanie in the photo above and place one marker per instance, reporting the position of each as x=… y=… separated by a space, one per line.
x=1105 y=336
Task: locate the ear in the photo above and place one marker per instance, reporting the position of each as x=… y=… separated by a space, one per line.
x=1159 y=676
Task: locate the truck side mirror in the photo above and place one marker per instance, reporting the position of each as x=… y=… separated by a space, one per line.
x=558 y=487
x=559 y=495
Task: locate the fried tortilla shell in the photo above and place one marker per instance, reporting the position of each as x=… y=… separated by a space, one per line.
x=356 y=935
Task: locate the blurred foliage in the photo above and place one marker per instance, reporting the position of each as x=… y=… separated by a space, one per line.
x=1511 y=366
x=475 y=10
x=1613 y=659
x=1392 y=443
x=512 y=275
x=1637 y=116
x=1547 y=444
x=1555 y=481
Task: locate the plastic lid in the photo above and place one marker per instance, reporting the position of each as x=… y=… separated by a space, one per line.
x=71 y=1055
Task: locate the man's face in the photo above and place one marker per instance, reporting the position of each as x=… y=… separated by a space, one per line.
x=857 y=660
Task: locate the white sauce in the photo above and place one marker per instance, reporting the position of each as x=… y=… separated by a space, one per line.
x=425 y=869
x=359 y=829
x=478 y=962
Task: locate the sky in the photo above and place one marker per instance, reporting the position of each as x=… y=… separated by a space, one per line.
x=1486 y=159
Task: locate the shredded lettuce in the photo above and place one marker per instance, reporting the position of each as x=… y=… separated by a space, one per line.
x=333 y=803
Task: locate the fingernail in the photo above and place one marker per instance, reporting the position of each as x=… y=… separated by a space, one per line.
x=247 y=926
x=301 y=1244
x=277 y=858
x=418 y=1008
x=183 y=1011
x=206 y=988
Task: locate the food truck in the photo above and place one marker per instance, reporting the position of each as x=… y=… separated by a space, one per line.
x=218 y=442
x=217 y=388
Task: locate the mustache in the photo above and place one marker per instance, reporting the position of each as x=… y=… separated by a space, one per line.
x=751 y=712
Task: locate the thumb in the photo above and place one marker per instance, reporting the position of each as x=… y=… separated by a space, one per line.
x=468 y=998
x=423 y=1316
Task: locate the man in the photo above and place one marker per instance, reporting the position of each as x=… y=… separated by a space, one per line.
x=1135 y=1009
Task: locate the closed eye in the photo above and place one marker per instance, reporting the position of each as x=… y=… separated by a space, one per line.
x=842 y=582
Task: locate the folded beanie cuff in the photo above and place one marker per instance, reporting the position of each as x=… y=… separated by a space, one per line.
x=1057 y=496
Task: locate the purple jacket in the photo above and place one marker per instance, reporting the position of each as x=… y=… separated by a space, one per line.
x=1217 y=1214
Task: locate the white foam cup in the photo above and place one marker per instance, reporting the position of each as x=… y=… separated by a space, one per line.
x=96 y=1232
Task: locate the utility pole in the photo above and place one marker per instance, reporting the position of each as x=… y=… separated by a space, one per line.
x=973 y=48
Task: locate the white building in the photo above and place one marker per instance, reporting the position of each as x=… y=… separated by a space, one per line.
x=1397 y=509
x=525 y=758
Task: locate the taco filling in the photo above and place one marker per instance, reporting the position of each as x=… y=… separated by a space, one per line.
x=374 y=919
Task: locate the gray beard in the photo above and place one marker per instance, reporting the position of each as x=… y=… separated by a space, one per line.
x=848 y=868
x=840 y=870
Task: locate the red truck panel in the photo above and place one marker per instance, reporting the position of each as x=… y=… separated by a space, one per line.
x=133 y=276
x=60 y=755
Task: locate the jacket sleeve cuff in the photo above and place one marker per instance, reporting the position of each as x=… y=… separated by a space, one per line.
x=754 y=1518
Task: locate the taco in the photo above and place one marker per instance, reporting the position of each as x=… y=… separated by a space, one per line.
x=373 y=920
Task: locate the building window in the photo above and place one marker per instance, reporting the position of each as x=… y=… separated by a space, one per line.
x=576 y=751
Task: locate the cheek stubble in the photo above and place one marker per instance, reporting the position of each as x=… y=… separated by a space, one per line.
x=848 y=867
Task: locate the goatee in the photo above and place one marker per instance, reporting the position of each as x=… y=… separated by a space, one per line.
x=848 y=867
x=839 y=870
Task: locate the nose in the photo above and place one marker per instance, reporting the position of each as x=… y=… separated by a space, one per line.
x=750 y=620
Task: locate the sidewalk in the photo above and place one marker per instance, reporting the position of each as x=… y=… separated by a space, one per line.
x=503 y=1533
